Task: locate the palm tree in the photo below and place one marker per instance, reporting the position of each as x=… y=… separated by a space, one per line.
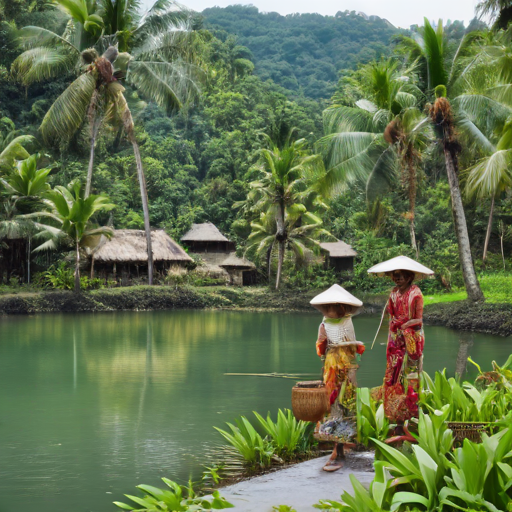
x=499 y=12
x=357 y=138
x=287 y=177
x=12 y=144
x=442 y=73
x=25 y=185
x=158 y=66
x=491 y=176
x=72 y=213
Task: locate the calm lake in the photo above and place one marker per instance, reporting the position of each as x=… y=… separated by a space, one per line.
x=92 y=405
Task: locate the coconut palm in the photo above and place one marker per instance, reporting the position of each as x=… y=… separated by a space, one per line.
x=499 y=12
x=25 y=185
x=71 y=212
x=158 y=65
x=491 y=176
x=443 y=73
x=303 y=231
x=287 y=180
x=357 y=138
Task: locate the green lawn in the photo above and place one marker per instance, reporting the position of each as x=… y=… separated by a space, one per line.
x=497 y=289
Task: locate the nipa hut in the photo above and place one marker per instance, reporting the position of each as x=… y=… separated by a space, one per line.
x=206 y=238
x=238 y=269
x=340 y=256
x=125 y=254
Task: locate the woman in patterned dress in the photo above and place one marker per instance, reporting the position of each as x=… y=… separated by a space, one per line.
x=337 y=345
x=404 y=353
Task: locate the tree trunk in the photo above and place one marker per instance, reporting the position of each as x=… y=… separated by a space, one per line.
x=281 y=240
x=77 y=268
x=280 y=263
x=413 y=237
x=94 y=134
x=145 y=206
x=461 y=229
x=92 y=266
x=502 y=252
x=489 y=228
x=28 y=261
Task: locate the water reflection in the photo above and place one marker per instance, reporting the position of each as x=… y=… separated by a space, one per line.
x=465 y=344
x=152 y=385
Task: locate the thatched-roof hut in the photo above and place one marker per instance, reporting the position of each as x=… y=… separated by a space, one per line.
x=203 y=238
x=125 y=254
x=340 y=256
x=237 y=268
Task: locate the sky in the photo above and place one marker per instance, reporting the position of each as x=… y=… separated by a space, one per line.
x=401 y=13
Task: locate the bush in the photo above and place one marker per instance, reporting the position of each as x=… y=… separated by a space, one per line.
x=178 y=498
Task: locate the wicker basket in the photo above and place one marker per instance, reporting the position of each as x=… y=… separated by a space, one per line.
x=467 y=430
x=310 y=401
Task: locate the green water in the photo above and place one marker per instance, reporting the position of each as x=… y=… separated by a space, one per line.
x=92 y=405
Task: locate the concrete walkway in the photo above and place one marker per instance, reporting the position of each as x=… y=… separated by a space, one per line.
x=300 y=486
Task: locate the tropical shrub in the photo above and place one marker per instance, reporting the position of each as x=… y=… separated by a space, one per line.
x=287 y=434
x=431 y=477
x=285 y=440
x=491 y=402
x=178 y=499
x=371 y=420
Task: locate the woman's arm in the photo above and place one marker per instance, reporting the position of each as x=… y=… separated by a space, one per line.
x=321 y=344
x=416 y=313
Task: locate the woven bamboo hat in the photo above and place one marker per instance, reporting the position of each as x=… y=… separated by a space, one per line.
x=401 y=263
x=336 y=295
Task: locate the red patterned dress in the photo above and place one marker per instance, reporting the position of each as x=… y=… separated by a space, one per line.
x=404 y=354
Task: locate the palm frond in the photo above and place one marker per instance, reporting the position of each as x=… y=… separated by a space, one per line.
x=42 y=63
x=69 y=110
x=170 y=85
x=490 y=175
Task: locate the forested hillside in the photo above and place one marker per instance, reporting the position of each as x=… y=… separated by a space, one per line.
x=303 y=52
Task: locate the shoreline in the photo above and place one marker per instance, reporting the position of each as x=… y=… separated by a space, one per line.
x=464 y=316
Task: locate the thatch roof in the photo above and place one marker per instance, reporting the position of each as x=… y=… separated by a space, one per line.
x=338 y=249
x=235 y=262
x=129 y=245
x=206 y=232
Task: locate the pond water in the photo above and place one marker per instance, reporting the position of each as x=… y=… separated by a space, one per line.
x=92 y=405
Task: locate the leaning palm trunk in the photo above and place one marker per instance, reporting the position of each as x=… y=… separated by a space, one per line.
x=129 y=127
x=461 y=230
x=281 y=240
x=77 y=267
x=145 y=206
x=442 y=116
x=489 y=228
x=94 y=133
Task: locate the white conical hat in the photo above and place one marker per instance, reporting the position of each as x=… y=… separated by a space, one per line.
x=335 y=295
x=401 y=263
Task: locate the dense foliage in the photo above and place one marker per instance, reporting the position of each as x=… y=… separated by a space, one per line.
x=303 y=52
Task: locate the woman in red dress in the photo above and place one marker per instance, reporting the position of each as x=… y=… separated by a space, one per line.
x=404 y=353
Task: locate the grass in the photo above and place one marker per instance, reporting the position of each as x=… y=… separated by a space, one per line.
x=497 y=289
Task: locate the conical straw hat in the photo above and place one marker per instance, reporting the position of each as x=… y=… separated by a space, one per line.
x=401 y=263
x=336 y=295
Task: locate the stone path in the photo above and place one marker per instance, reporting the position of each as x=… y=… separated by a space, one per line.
x=299 y=486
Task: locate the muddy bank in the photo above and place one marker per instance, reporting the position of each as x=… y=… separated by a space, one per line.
x=465 y=316
x=140 y=298
x=486 y=318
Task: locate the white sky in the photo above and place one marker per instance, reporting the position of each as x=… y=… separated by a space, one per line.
x=401 y=13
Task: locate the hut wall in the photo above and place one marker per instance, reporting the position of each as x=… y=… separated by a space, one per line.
x=345 y=264
x=210 y=247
